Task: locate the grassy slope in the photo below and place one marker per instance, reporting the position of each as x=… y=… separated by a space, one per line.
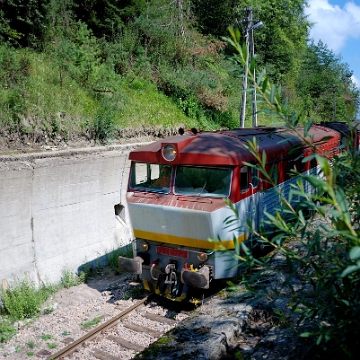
x=132 y=103
x=47 y=100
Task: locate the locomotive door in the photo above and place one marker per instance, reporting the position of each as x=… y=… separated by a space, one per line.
x=249 y=184
x=254 y=198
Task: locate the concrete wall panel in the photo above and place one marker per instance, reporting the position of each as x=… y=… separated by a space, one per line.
x=57 y=211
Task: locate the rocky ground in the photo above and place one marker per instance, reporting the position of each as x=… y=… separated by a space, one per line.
x=67 y=313
x=225 y=327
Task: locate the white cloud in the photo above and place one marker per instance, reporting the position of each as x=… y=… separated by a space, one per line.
x=332 y=24
x=356 y=81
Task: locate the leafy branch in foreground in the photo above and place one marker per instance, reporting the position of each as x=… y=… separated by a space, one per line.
x=318 y=276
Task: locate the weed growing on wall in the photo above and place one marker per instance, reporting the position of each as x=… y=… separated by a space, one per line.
x=112 y=258
x=69 y=279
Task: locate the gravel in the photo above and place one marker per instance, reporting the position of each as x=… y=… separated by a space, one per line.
x=74 y=307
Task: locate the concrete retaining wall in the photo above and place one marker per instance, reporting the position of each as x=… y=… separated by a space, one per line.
x=57 y=211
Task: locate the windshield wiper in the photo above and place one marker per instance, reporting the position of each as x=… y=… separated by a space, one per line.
x=206 y=181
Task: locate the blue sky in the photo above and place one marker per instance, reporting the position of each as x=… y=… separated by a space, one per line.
x=337 y=24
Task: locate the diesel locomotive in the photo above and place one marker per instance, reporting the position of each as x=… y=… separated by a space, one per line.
x=176 y=194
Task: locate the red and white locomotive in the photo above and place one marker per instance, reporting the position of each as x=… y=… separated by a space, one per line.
x=176 y=197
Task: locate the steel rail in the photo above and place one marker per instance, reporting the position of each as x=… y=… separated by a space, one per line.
x=71 y=347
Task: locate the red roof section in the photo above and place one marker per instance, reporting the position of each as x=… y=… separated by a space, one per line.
x=228 y=148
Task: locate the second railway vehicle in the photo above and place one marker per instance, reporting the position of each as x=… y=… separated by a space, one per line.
x=176 y=194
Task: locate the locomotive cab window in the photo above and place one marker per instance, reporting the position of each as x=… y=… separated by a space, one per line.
x=203 y=181
x=150 y=177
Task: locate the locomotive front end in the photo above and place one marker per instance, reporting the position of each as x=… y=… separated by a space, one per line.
x=174 y=209
x=176 y=201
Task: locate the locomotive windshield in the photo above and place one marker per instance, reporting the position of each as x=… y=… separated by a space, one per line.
x=203 y=181
x=150 y=177
x=189 y=180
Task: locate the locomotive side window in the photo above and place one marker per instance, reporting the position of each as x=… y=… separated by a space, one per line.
x=249 y=176
x=150 y=177
x=291 y=166
x=203 y=181
x=244 y=178
x=139 y=173
x=254 y=177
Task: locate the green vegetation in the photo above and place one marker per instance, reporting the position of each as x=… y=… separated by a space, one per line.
x=46 y=336
x=69 y=279
x=71 y=71
x=161 y=345
x=112 y=258
x=31 y=344
x=320 y=276
x=93 y=322
x=7 y=330
x=24 y=300
x=135 y=292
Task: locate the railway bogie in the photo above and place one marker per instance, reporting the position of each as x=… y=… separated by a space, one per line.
x=176 y=197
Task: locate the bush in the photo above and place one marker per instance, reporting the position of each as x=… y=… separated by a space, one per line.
x=23 y=300
x=320 y=280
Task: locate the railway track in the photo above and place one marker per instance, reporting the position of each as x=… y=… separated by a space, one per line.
x=108 y=340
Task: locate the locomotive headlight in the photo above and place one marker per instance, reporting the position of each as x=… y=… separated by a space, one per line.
x=169 y=152
x=202 y=256
x=144 y=246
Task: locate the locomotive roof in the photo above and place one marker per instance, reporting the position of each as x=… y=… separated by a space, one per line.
x=228 y=148
x=343 y=127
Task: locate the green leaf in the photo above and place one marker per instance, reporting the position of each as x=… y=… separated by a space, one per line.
x=349 y=270
x=324 y=164
x=354 y=253
x=318 y=183
x=319 y=339
x=307 y=127
x=264 y=85
x=272 y=94
x=306 y=334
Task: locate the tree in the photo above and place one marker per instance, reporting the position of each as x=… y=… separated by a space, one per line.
x=108 y=17
x=214 y=16
x=24 y=22
x=326 y=84
x=280 y=43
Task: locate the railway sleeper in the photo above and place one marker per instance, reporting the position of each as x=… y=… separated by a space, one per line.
x=126 y=344
x=102 y=355
x=139 y=328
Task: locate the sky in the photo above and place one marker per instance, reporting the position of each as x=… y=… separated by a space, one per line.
x=337 y=24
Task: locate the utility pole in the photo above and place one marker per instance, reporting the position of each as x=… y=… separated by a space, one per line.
x=252 y=54
x=334 y=111
x=248 y=26
x=249 y=42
